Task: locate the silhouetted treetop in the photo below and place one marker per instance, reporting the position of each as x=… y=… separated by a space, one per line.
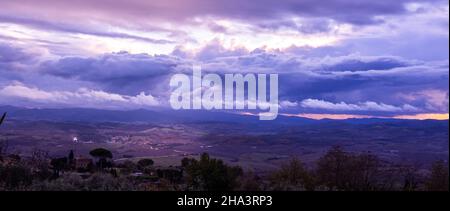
x=101 y=153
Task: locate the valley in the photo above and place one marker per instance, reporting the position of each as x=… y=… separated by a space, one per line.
x=259 y=148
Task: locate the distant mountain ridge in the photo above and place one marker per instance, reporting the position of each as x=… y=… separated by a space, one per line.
x=163 y=116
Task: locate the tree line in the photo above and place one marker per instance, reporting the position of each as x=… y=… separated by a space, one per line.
x=336 y=170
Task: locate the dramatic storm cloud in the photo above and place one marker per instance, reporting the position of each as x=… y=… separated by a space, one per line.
x=339 y=57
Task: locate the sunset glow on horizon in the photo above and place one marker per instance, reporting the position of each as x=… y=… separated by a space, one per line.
x=355 y=116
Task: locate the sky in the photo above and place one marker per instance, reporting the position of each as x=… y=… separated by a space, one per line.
x=335 y=58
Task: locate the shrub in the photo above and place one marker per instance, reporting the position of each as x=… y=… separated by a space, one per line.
x=210 y=174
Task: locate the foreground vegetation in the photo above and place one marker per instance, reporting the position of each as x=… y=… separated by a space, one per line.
x=337 y=170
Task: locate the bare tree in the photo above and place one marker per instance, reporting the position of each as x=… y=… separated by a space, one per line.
x=39 y=163
x=438 y=180
x=292 y=176
x=3 y=147
x=340 y=170
x=3 y=143
x=410 y=176
x=2 y=118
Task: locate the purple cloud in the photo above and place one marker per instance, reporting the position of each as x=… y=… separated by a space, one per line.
x=364 y=84
x=79 y=16
x=77 y=29
x=350 y=11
